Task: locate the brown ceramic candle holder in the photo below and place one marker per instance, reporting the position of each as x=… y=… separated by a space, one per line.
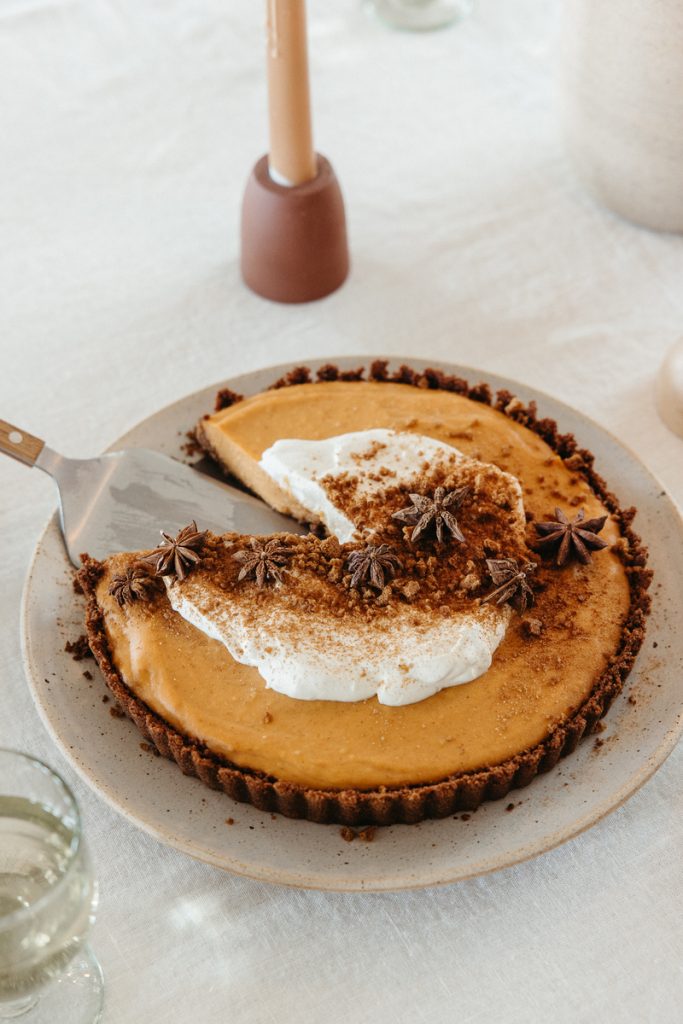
x=294 y=245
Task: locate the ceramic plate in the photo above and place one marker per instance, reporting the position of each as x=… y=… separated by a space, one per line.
x=642 y=725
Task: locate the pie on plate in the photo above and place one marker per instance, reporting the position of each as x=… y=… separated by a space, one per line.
x=468 y=604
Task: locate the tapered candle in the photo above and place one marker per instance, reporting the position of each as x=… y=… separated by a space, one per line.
x=291 y=160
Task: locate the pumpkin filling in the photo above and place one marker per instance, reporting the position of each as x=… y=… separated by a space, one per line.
x=334 y=664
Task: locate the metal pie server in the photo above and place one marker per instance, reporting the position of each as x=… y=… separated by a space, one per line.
x=120 y=501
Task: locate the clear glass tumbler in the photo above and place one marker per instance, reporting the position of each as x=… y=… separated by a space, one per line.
x=422 y=15
x=48 y=975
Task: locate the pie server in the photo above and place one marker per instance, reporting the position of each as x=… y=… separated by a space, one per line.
x=120 y=501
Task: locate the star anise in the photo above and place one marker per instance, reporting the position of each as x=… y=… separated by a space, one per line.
x=512 y=583
x=437 y=511
x=576 y=536
x=264 y=561
x=132 y=585
x=177 y=555
x=371 y=563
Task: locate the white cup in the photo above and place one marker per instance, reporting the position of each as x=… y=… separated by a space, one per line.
x=670 y=389
x=622 y=98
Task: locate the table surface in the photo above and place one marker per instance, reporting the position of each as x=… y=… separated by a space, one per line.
x=127 y=134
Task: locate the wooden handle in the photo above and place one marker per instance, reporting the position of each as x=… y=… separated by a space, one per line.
x=20 y=445
x=291 y=159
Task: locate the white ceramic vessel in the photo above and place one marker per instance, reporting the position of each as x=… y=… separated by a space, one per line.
x=670 y=389
x=622 y=98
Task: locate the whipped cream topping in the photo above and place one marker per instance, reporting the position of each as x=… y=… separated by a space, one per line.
x=302 y=469
x=406 y=662
x=404 y=658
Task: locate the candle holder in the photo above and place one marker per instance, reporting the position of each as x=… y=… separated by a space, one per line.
x=294 y=244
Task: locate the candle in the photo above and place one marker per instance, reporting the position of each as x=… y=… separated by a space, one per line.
x=291 y=160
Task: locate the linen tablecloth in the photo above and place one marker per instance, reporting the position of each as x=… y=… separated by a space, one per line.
x=127 y=130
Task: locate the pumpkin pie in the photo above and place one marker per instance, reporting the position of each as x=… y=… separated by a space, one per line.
x=470 y=599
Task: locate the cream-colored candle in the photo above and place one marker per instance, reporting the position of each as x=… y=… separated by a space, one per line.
x=291 y=159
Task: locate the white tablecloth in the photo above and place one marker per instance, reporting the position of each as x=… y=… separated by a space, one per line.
x=127 y=130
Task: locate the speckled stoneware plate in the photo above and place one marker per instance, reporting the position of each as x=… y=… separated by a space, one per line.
x=153 y=794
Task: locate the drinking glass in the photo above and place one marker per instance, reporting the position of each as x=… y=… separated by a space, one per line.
x=422 y=15
x=48 y=975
